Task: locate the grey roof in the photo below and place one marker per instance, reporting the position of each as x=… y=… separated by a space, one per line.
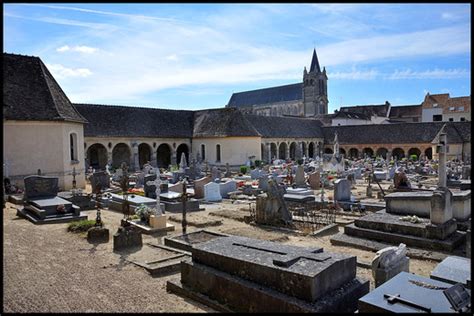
x=30 y=92
x=277 y=126
x=369 y=110
x=127 y=121
x=351 y=115
x=289 y=92
x=405 y=111
x=221 y=123
x=404 y=133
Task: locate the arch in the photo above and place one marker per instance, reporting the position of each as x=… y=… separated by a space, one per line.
x=73 y=146
x=144 y=154
x=429 y=153
x=382 y=152
x=163 y=156
x=328 y=150
x=121 y=153
x=367 y=151
x=183 y=148
x=97 y=156
x=273 y=150
x=304 y=147
x=353 y=153
x=342 y=151
x=311 y=150
x=282 y=151
x=398 y=153
x=414 y=151
x=293 y=150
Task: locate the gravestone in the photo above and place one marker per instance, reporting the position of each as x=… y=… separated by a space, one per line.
x=212 y=192
x=342 y=190
x=250 y=275
x=199 y=186
x=150 y=189
x=263 y=183
x=227 y=174
x=100 y=178
x=127 y=237
x=215 y=173
x=271 y=207
x=227 y=187
x=388 y=262
x=299 y=177
x=314 y=180
x=42 y=205
x=140 y=180
x=453 y=269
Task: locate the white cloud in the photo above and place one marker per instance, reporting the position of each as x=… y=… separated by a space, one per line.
x=80 y=49
x=430 y=74
x=64 y=48
x=59 y=71
x=355 y=75
x=173 y=57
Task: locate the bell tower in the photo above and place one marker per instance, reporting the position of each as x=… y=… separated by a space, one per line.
x=315 y=100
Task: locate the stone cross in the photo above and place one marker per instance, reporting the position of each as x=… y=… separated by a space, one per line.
x=182 y=163
x=336 y=145
x=74 y=174
x=157 y=183
x=442 y=149
x=39 y=172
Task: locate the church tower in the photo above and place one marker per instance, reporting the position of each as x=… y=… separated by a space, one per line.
x=315 y=94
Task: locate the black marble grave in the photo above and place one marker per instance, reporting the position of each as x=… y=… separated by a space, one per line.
x=42 y=205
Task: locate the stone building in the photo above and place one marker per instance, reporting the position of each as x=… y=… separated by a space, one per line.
x=308 y=98
x=441 y=107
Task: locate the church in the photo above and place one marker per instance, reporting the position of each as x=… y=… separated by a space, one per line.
x=44 y=132
x=308 y=98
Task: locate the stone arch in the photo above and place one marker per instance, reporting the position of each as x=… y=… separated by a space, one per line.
x=183 y=148
x=273 y=151
x=304 y=147
x=367 y=151
x=429 y=153
x=353 y=153
x=311 y=150
x=328 y=150
x=382 y=152
x=97 y=156
x=293 y=150
x=414 y=151
x=121 y=153
x=282 y=150
x=144 y=154
x=163 y=156
x=398 y=153
x=342 y=151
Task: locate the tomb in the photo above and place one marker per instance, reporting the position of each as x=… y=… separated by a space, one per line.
x=249 y=275
x=134 y=200
x=199 y=186
x=410 y=293
x=453 y=270
x=127 y=237
x=271 y=208
x=42 y=205
x=342 y=190
x=173 y=203
x=186 y=241
x=388 y=262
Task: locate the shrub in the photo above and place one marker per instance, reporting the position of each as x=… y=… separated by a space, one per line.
x=413 y=157
x=258 y=163
x=300 y=161
x=81 y=226
x=243 y=169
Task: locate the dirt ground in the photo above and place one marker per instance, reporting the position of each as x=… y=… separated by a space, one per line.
x=47 y=269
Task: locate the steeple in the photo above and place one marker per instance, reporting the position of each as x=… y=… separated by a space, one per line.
x=314 y=63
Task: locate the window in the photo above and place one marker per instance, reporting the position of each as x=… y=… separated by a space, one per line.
x=73 y=146
x=451 y=108
x=462 y=119
x=461 y=108
x=437 y=118
x=218 y=153
x=451 y=119
x=435 y=105
x=203 y=151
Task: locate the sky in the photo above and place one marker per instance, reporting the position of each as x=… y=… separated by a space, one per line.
x=194 y=56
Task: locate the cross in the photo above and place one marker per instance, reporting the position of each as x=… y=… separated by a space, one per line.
x=74 y=177
x=392 y=299
x=157 y=183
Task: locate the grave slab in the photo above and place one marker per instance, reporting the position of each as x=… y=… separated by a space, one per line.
x=186 y=241
x=453 y=270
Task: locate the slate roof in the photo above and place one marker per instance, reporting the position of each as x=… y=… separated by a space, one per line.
x=127 y=121
x=404 y=133
x=314 y=63
x=369 y=110
x=30 y=92
x=277 y=126
x=289 y=92
x=351 y=115
x=221 y=123
x=405 y=111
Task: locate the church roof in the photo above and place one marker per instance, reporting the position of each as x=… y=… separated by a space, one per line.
x=290 y=92
x=277 y=126
x=30 y=92
x=222 y=123
x=398 y=133
x=128 y=121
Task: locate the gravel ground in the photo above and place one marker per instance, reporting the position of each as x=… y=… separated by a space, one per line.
x=47 y=269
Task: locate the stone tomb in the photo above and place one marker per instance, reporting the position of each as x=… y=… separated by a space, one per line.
x=199 y=186
x=100 y=178
x=134 y=200
x=453 y=270
x=408 y=293
x=342 y=190
x=187 y=241
x=249 y=275
x=42 y=205
x=173 y=203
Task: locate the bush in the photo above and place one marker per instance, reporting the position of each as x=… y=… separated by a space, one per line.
x=413 y=157
x=81 y=226
x=243 y=169
x=299 y=161
x=258 y=163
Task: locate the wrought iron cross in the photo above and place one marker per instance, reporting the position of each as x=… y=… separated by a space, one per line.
x=157 y=183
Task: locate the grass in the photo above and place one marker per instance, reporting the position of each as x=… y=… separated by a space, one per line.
x=80 y=226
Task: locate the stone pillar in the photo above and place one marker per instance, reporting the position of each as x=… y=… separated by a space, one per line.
x=153 y=158
x=287 y=154
x=389 y=154
x=174 y=157
x=135 y=162
x=299 y=150
x=109 y=157
x=441 y=149
x=269 y=152
x=306 y=150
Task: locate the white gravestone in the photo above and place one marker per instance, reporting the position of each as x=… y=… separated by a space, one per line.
x=212 y=192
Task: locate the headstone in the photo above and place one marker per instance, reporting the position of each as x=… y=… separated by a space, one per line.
x=342 y=190
x=150 y=189
x=271 y=207
x=453 y=269
x=127 y=237
x=215 y=173
x=212 y=192
x=299 y=177
x=314 y=180
x=263 y=183
x=388 y=262
x=199 y=186
x=140 y=180
x=182 y=163
x=227 y=174
x=227 y=187
x=37 y=187
x=100 y=178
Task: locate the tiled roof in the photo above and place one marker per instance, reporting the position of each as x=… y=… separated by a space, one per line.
x=127 y=121
x=399 y=133
x=30 y=92
x=277 y=126
x=405 y=111
x=289 y=92
x=221 y=123
x=369 y=110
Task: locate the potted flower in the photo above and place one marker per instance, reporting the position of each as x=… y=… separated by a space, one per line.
x=144 y=212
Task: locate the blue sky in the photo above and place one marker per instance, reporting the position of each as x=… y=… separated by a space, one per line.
x=194 y=56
